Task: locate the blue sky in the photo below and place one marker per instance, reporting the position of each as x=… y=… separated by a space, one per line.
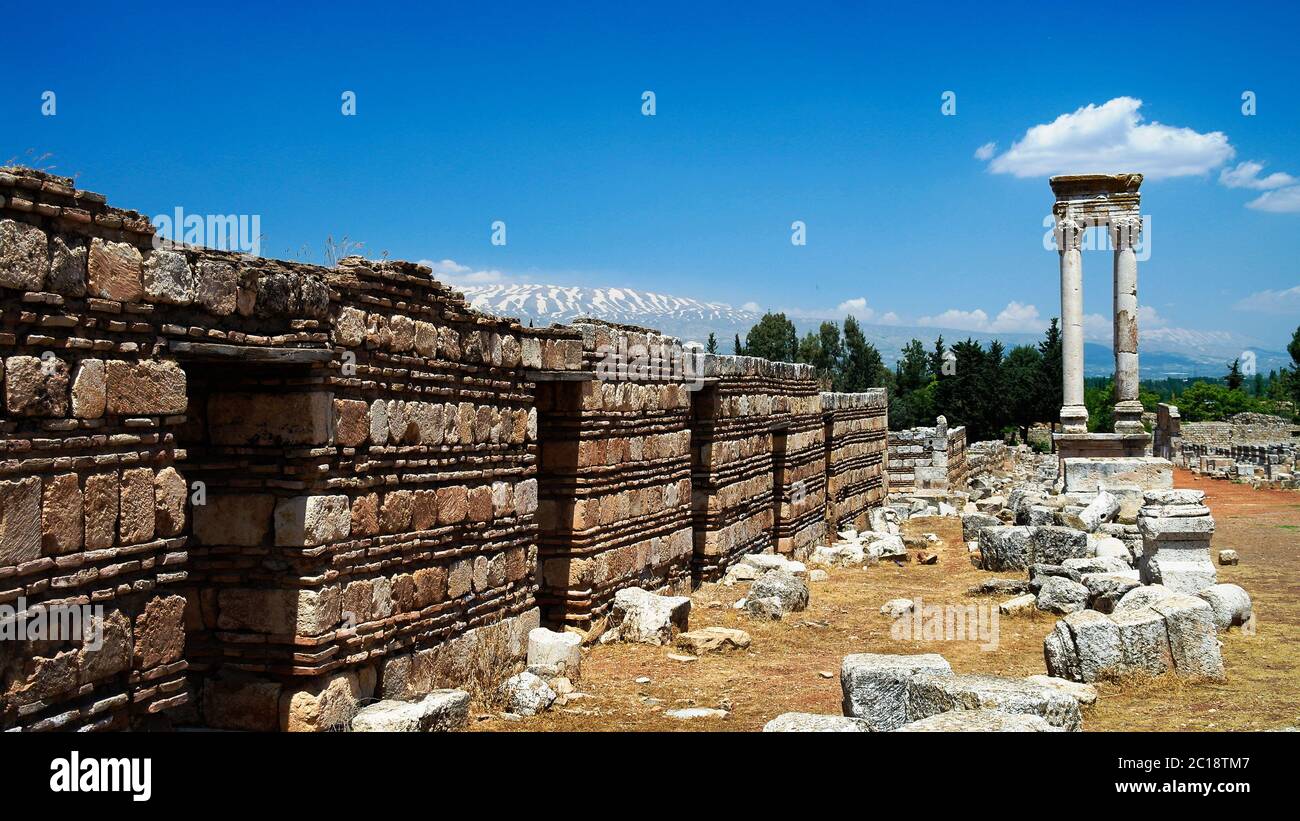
x=765 y=114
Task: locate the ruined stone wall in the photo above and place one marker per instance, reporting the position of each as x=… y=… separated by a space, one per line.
x=293 y=489
x=373 y=549
x=856 y=425
x=93 y=480
x=1245 y=439
x=927 y=458
x=736 y=496
x=615 y=479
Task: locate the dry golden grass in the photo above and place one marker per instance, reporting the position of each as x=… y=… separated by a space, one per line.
x=783 y=669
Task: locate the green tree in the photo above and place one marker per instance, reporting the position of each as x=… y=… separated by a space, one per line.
x=832 y=350
x=737 y=347
x=1292 y=376
x=712 y=345
x=1050 y=391
x=1234 y=379
x=963 y=396
x=1020 y=387
x=774 y=338
x=863 y=367
x=936 y=358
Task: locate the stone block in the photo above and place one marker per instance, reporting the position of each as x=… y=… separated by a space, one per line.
x=270 y=419
x=216 y=286
x=241 y=520
x=89 y=389
x=168 y=278
x=102 y=500
x=62 y=522
x=160 y=632
x=20 y=521
x=36 y=386
x=308 y=521
x=67 y=266
x=113 y=271
x=137 y=506
x=875 y=686
x=24 y=256
x=145 y=388
x=169 y=494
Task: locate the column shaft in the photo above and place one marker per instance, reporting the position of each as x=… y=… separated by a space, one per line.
x=1128 y=410
x=1074 y=416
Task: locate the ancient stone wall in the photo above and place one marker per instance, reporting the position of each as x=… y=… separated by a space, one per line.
x=856 y=426
x=737 y=499
x=615 y=480
x=292 y=489
x=927 y=458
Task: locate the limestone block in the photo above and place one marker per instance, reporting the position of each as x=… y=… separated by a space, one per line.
x=875 y=685
x=812 y=723
x=160 y=632
x=67 y=266
x=113 y=271
x=980 y=721
x=308 y=521
x=378 y=422
x=318 y=611
x=453 y=502
x=168 y=278
x=438 y=712
x=20 y=521
x=102 y=501
x=61 y=515
x=1230 y=604
x=170 y=493
x=552 y=654
x=277 y=419
x=643 y=617
x=350 y=327
x=242 y=520
x=395 y=513
x=1192 y=636
x=929 y=694
x=113 y=656
x=216 y=286
x=137 y=506
x=328 y=703
x=24 y=256
x=351 y=422
x=236 y=702
x=89 y=389
x=145 y=388
x=36 y=386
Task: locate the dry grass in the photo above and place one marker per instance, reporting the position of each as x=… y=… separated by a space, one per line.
x=782 y=671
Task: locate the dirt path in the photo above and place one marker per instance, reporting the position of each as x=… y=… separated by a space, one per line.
x=786 y=668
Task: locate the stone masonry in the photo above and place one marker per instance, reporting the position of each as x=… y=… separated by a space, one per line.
x=286 y=490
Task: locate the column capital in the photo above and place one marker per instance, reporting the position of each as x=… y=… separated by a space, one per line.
x=1069 y=233
x=1124 y=231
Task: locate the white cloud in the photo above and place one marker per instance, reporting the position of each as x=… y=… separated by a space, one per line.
x=1246 y=175
x=1149 y=318
x=1112 y=138
x=1016 y=317
x=975 y=320
x=752 y=307
x=889 y=318
x=1285 y=302
x=986 y=151
x=856 y=307
x=1098 y=328
x=456 y=275
x=1281 y=201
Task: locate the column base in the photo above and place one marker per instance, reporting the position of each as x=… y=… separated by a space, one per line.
x=1128 y=417
x=1074 y=419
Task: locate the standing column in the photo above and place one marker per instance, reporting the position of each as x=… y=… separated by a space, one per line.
x=1069 y=237
x=1128 y=409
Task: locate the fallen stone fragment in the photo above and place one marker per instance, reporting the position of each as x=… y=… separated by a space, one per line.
x=527 y=694
x=1228 y=557
x=926 y=557
x=896 y=608
x=689 y=713
x=813 y=723
x=439 y=712
x=1192 y=636
x=875 y=686
x=646 y=618
x=999 y=587
x=1230 y=603
x=1085 y=694
x=1106 y=589
x=789 y=589
x=713 y=640
x=1142 y=596
x=1019 y=605
x=1061 y=596
x=929 y=694
x=980 y=721
x=552 y=654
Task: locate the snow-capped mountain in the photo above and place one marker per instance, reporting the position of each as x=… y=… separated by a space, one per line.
x=556 y=303
x=1164 y=351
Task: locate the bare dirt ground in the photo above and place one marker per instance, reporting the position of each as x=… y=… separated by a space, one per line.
x=793 y=665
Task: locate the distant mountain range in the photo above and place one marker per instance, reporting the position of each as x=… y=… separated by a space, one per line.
x=1164 y=352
